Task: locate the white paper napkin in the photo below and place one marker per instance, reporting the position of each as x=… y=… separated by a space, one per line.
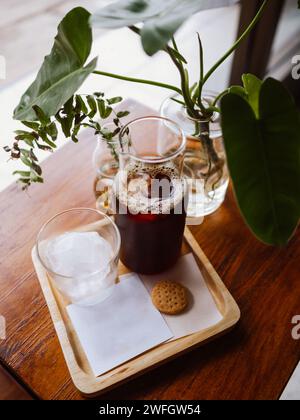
x=202 y=311
x=127 y=324
x=119 y=328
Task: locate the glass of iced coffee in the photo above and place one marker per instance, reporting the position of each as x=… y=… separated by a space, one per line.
x=149 y=194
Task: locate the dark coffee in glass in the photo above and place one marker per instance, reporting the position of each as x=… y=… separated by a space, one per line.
x=150 y=195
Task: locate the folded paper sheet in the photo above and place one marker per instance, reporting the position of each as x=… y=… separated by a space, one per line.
x=118 y=329
x=202 y=311
x=127 y=324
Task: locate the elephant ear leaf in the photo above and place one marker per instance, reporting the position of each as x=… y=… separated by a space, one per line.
x=264 y=160
x=157 y=31
x=128 y=12
x=252 y=86
x=63 y=70
x=161 y=18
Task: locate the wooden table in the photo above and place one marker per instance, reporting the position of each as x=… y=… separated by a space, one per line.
x=253 y=361
x=10 y=389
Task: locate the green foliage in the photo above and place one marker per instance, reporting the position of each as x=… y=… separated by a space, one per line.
x=80 y=111
x=250 y=91
x=62 y=71
x=262 y=139
x=260 y=122
x=161 y=18
x=157 y=30
x=252 y=86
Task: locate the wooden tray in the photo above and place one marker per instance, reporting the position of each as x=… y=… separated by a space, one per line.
x=76 y=360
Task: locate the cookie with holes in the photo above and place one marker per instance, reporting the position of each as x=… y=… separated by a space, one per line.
x=169 y=297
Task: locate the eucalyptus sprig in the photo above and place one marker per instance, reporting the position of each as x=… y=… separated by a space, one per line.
x=80 y=111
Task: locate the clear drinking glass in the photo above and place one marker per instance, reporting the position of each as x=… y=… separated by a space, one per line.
x=79 y=248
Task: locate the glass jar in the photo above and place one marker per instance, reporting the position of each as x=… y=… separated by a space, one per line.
x=205 y=163
x=106 y=165
x=150 y=194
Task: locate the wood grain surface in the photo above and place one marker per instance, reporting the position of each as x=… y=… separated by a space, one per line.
x=10 y=389
x=255 y=360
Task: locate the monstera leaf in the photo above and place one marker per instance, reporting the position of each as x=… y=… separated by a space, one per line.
x=63 y=71
x=263 y=153
x=161 y=18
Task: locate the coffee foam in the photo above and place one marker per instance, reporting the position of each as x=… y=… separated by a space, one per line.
x=137 y=186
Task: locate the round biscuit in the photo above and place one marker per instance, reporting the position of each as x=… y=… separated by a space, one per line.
x=169 y=297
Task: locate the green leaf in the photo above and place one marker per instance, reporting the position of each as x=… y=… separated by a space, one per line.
x=41 y=116
x=178 y=101
x=201 y=64
x=51 y=130
x=76 y=130
x=25 y=181
x=43 y=147
x=32 y=156
x=264 y=160
x=101 y=107
x=36 y=178
x=66 y=121
x=122 y=114
x=128 y=12
x=22 y=135
x=178 y=55
x=36 y=168
x=24 y=152
x=32 y=125
x=74 y=138
x=26 y=161
x=80 y=105
x=68 y=109
x=238 y=90
x=250 y=91
x=161 y=18
x=23 y=174
x=92 y=104
x=66 y=124
x=108 y=111
x=63 y=71
x=252 y=87
x=114 y=100
x=46 y=140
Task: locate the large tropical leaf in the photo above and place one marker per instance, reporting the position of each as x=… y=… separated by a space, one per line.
x=252 y=86
x=63 y=70
x=264 y=160
x=161 y=18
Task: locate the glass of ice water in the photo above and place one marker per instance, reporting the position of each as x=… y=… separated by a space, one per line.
x=79 y=248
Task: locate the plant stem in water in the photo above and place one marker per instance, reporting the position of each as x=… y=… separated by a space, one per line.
x=215 y=164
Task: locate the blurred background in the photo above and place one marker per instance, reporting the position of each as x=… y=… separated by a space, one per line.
x=27 y=30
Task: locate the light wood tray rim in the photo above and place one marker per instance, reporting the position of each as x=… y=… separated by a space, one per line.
x=91 y=386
